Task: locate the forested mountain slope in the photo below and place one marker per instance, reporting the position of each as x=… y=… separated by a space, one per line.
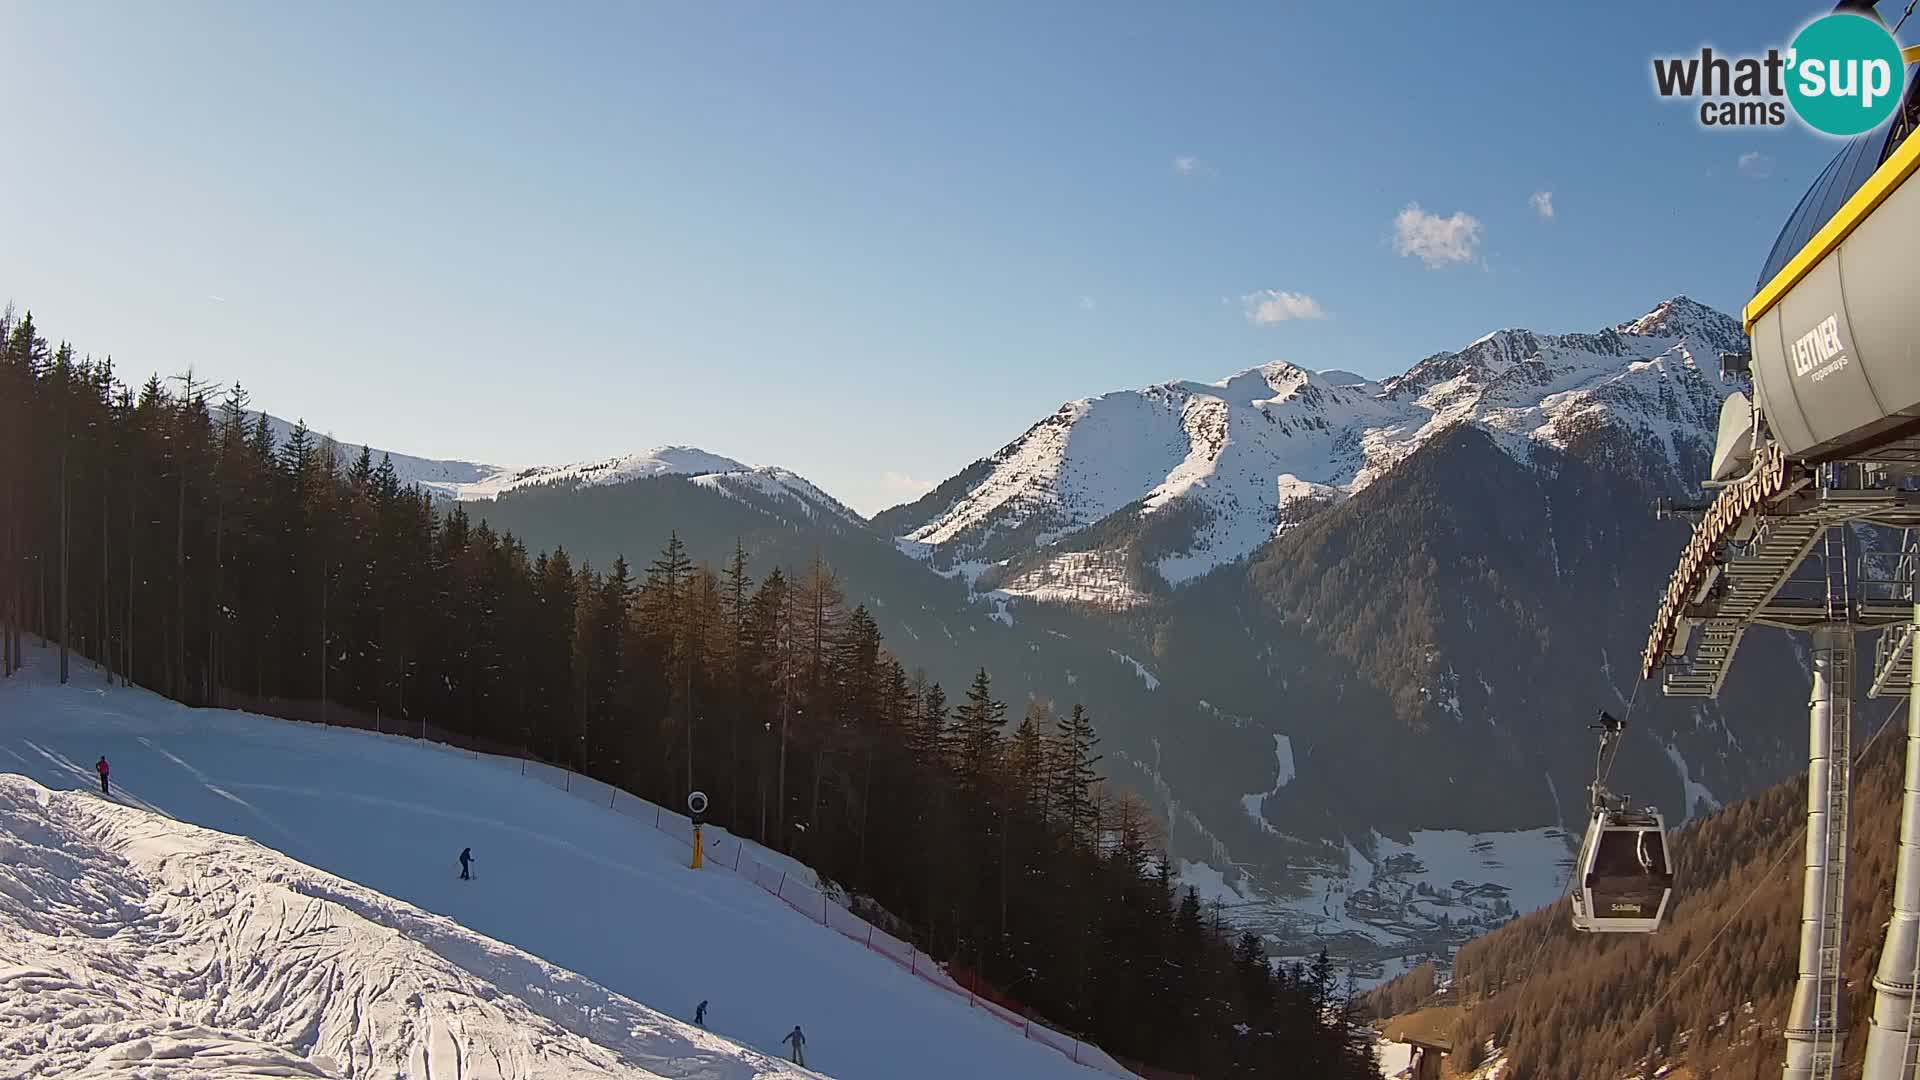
x=1441 y=617
x=1386 y=697
x=1712 y=987
x=219 y=566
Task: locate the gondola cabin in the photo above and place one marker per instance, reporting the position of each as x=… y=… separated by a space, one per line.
x=1624 y=881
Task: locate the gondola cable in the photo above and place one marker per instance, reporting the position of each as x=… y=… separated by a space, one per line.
x=1760 y=882
x=1603 y=765
x=1785 y=853
x=1625 y=879
x=1706 y=950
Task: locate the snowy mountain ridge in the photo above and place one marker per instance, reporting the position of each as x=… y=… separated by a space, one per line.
x=1226 y=461
x=470 y=481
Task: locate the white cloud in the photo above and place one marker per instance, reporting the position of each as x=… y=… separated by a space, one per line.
x=1088 y=303
x=899 y=481
x=1188 y=165
x=1542 y=203
x=216 y=299
x=1756 y=164
x=1270 y=306
x=1435 y=240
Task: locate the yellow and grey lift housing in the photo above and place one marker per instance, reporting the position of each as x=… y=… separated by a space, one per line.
x=1834 y=327
x=1830 y=440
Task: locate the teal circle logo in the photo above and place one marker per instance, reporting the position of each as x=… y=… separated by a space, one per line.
x=1845 y=75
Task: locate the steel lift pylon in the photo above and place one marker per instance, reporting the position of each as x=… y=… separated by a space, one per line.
x=1828 y=444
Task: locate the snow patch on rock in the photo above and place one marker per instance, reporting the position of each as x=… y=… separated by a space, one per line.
x=1697 y=795
x=1239 y=452
x=1148 y=677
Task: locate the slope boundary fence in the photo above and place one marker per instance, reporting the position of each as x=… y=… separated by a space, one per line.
x=791 y=882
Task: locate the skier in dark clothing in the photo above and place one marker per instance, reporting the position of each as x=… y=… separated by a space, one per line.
x=466 y=864
x=799 y=1042
x=700 y=1015
x=101 y=768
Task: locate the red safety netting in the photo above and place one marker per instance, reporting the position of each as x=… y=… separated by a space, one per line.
x=767 y=877
x=1011 y=1016
x=1066 y=1044
x=593 y=791
x=925 y=967
x=804 y=898
x=722 y=851
x=848 y=924
x=548 y=774
x=1092 y=1056
x=677 y=827
x=892 y=948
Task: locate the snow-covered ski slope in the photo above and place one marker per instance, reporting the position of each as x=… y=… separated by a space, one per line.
x=134 y=944
x=574 y=884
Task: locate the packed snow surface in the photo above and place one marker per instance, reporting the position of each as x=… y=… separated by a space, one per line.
x=134 y=944
x=164 y=930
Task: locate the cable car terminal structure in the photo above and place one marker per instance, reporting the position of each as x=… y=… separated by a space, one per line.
x=1828 y=444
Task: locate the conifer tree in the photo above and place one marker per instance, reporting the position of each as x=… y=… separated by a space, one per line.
x=737 y=594
x=1073 y=776
x=185 y=550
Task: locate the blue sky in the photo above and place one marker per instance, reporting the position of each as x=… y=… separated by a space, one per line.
x=869 y=242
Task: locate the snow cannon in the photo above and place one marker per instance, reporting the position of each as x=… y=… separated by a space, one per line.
x=697 y=807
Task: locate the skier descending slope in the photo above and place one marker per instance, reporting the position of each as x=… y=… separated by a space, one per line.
x=466 y=864
x=101 y=768
x=364 y=807
x=799 y=1043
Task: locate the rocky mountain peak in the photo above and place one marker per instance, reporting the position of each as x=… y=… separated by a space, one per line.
x=1208 y=470
x=1686 y=318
